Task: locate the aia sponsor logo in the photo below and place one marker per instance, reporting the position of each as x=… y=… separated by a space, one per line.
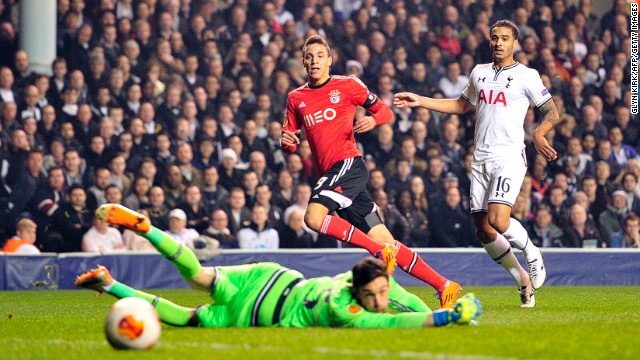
x=492 y=97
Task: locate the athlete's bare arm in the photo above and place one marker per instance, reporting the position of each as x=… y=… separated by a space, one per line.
x=550 y=119
x=449 y=106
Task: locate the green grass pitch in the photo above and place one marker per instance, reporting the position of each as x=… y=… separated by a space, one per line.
x=568 y=323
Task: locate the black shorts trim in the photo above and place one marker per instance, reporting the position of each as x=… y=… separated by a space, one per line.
x=501 y=202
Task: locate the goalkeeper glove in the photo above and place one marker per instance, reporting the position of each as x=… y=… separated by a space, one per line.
x=464 y=311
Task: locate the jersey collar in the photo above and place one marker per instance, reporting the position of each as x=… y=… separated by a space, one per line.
x=320 y=85
x=493 y=66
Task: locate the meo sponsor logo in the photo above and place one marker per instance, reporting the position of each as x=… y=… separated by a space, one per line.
x=319 y=116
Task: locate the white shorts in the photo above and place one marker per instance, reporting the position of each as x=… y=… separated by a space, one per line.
x=497 y=181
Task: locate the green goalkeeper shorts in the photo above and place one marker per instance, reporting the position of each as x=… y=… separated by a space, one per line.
x=248 y=295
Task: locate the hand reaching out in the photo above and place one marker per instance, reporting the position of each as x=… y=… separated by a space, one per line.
x=406 y=99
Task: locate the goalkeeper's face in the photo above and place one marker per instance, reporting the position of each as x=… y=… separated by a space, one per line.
x=374 y=296
x=316 y=61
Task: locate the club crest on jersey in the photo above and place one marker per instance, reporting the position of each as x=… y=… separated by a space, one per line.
x=334 y=96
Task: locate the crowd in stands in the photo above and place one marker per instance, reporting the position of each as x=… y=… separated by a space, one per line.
x=174 y=108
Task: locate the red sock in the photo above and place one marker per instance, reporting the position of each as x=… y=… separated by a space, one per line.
x=413 y=264
x=342 y=230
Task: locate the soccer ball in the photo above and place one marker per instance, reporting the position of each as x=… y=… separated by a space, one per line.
x=132 y=323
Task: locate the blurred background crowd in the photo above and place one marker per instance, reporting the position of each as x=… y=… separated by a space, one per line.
x=174 y=108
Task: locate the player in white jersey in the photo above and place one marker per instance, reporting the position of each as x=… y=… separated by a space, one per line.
x=500 y=92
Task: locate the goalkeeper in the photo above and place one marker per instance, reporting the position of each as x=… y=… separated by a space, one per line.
x=268 y=294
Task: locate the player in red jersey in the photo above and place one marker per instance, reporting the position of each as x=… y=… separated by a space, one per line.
x=325 y=108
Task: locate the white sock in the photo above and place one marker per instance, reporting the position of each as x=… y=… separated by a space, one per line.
x=518 y=237
x=500 y=252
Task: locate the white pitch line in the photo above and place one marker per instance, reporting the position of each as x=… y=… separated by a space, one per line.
x=269 y=348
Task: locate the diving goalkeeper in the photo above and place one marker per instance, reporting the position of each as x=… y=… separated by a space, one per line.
x=268 y=294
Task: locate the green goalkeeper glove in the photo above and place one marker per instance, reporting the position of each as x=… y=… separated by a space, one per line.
x=464 y=311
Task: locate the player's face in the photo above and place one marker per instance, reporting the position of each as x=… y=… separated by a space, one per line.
x=316 y=61
x=502 y=44
x=374 y=296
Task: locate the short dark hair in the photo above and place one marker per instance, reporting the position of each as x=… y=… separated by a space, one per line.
x=316 y=39
x=75 y=187
x=507 y=24
x=366 y=270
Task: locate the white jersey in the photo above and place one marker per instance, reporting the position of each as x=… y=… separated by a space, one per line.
x=502 y=98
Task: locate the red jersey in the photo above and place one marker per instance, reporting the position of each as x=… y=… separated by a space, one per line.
x=326 y=112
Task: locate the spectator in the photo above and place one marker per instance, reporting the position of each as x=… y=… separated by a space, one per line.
x=454 y=82
x=582 y=162
x=102 y=238
x=521 y=209
x=294 y=235
x=46 y=203
x=27 y=182
x=451 y=226
x=197 y=214
x=630 y=131
x=18 y=151
x=230 y=176
x=399 y=178
x=157 y=210
x=173 y=186
x=597 y=198
x=184 y=159
x=558 y=205
x=452 y=151
x=543 y=232
x=433 y=179
x=72 y=221
x=74 y=167
x=275 y=214
x=419 y=233
x=629 y=235
x=258 y=164
x=397 y=224
x=302 y=197
x=214 y=196
x=206 y=156
x=96 y=192
x=119 y=176
x=238 y=214
x=580 y=231
x=138 y=198
x=621 y=152
x=258 y=234
x=218 y=229
x=179 y=231
x=629 y=185
x=633 y=167
x=22 y=242
x=605 y=153
x=611 y=220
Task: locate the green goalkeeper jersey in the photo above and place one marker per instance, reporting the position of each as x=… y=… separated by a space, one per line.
x=268 y=294
x=328 y=301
